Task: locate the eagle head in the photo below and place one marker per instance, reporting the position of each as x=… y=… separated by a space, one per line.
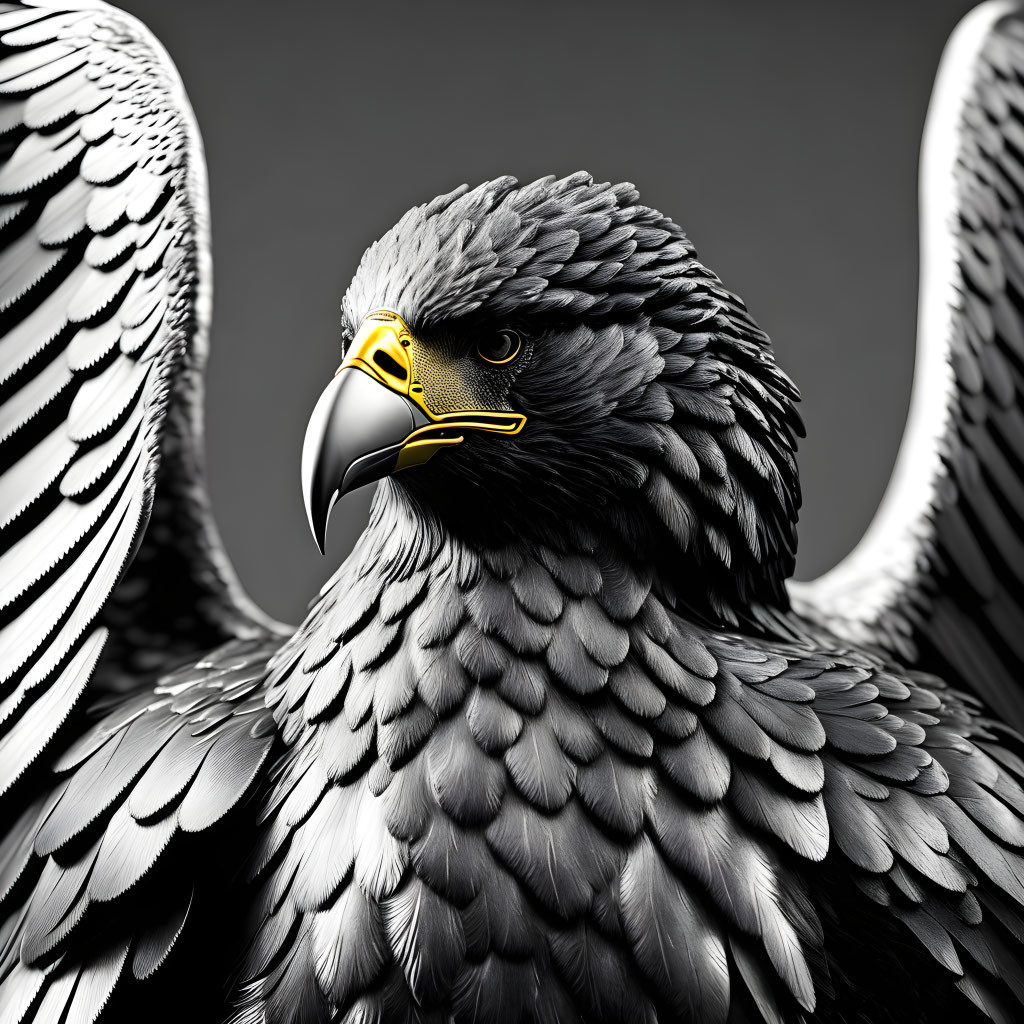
x=551 y=363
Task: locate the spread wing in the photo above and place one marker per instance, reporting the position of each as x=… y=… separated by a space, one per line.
x=134 y=847
x=938 y=579
x=108 y=554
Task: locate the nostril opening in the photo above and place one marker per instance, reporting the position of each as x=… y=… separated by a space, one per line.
x=389 y=365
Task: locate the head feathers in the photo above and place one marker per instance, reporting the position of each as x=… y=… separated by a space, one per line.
x=654 y=403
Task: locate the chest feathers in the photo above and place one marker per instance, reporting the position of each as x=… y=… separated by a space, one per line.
x=518 y=787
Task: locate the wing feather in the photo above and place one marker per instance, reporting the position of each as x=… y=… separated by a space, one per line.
x=87 y=880
x=104 y=296
x=938 y=578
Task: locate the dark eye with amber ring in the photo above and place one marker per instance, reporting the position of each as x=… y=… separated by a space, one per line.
x=501 y=347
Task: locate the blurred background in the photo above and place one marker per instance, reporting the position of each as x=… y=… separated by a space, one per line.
x=783 y=137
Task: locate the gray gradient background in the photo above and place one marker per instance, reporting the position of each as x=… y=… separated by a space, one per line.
x=782 y=136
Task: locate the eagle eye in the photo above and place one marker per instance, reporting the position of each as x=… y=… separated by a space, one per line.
x=501 y=347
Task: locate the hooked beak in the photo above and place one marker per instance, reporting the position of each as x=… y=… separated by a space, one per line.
x=355 y=435
x=372 y=420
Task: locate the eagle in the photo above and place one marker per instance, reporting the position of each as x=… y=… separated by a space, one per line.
x=558 y=742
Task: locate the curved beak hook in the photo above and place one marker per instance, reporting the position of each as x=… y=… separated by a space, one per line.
x=355 y=436
x=372 y=420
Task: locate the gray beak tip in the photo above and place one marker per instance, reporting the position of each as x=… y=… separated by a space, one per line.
x=319 y=491
x=318 y=527
x=318 y=518
x=354 y=436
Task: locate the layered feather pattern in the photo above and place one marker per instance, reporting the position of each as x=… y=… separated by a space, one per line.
x=669 y=803
x=551 y=746
x=103 y=313
x=95 y=890
x=938 y=580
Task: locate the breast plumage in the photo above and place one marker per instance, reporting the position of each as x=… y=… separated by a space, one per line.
x=557 y=742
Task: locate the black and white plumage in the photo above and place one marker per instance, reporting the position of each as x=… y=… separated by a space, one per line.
x=949 y=527
x=552 y=745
